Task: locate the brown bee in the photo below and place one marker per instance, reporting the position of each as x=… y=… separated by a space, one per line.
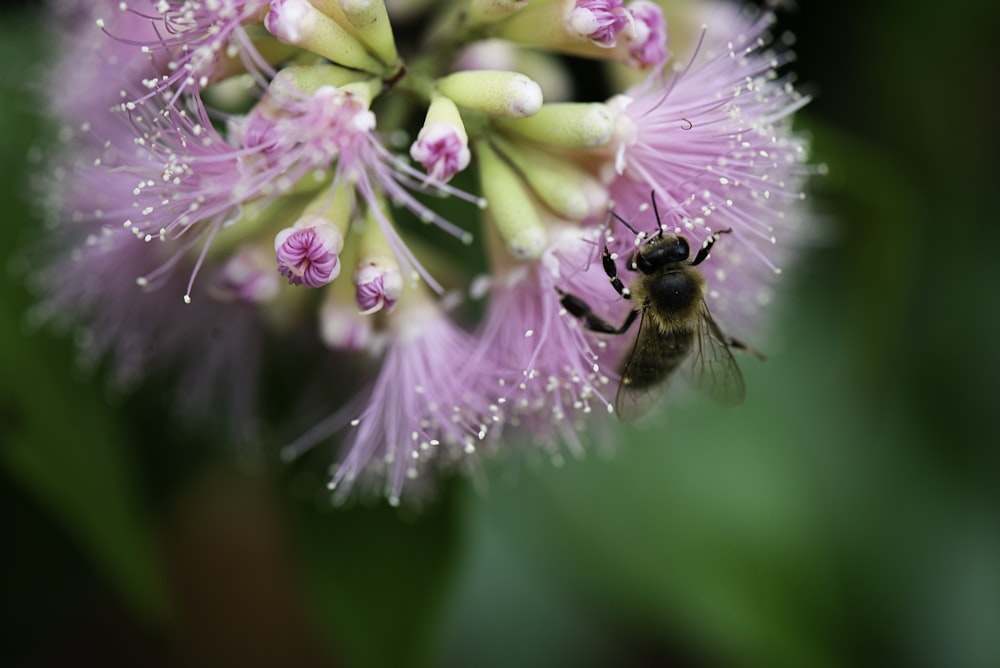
x=675 y=329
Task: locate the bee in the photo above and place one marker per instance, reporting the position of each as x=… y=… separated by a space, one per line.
x=676 y=328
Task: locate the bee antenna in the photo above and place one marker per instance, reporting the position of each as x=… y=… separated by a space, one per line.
x=624 y=222
x=656 y=212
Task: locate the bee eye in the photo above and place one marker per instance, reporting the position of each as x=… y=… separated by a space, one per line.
x=666 y=252
x=682 y=250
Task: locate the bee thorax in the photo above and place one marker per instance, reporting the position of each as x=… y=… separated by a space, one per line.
x=675 y=292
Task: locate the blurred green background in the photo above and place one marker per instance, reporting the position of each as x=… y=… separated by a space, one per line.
x=846 y=515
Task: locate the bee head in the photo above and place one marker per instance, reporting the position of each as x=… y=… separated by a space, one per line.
x=661 y=250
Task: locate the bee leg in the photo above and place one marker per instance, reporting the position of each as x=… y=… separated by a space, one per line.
x=578 y=308
x=611 y=269
x=733 y=342
x=707 y=248
x=739 y=345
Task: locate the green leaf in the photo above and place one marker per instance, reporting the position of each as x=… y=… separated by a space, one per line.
x=377 y=580
x=60 y=442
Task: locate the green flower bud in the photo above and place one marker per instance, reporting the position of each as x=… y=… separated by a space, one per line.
x=511 y=205
x=567 y=125
x=334 y=206
x=570 y=191
x=494 y=92
x=551 y=26
x=310 y=78
x=482 y=12
x=364 y=91
x=371 y=22
x=298 y=23
x=378 y=277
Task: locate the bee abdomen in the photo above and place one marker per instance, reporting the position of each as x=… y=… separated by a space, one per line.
x=651 y=365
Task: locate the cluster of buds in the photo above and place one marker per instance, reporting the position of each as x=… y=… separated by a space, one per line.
x=313 y=183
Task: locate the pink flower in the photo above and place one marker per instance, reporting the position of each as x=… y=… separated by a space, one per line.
x=212 y=348
x=555 y=374
x=716 y=146
x=93 y=69
x=261 y=146
x=424 y=408
x=331 y=124
x=188 y=39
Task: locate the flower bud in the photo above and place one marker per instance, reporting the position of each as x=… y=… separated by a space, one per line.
x=489 y=11
x=587 y=28
x=494 y=92
x=548 y=70
x=341 y=327
x=371 y=21
x=364 y=92
x=647 y=47
x=307 y=252
x=568 y=190
x=367 y=21
x=378 y=279
x=298 y=23
x=510 y=205
x=255 y=130
x=442 y=146
x=600 y=21
x=247 y=276
x=297 y=79
x=378 y=283
x=441 y=151
x=567 y=125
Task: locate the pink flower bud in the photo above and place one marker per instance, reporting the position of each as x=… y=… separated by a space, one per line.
x=378 y=286
x=256 y=130
x=600 y=21
x=307 y=254
x=247 y=277
x=343 y=328
x=441 y=150
x=648 y=46
x=288 y=19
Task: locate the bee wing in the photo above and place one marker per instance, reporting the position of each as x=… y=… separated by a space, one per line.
x=635 y=399
x=712 y=367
